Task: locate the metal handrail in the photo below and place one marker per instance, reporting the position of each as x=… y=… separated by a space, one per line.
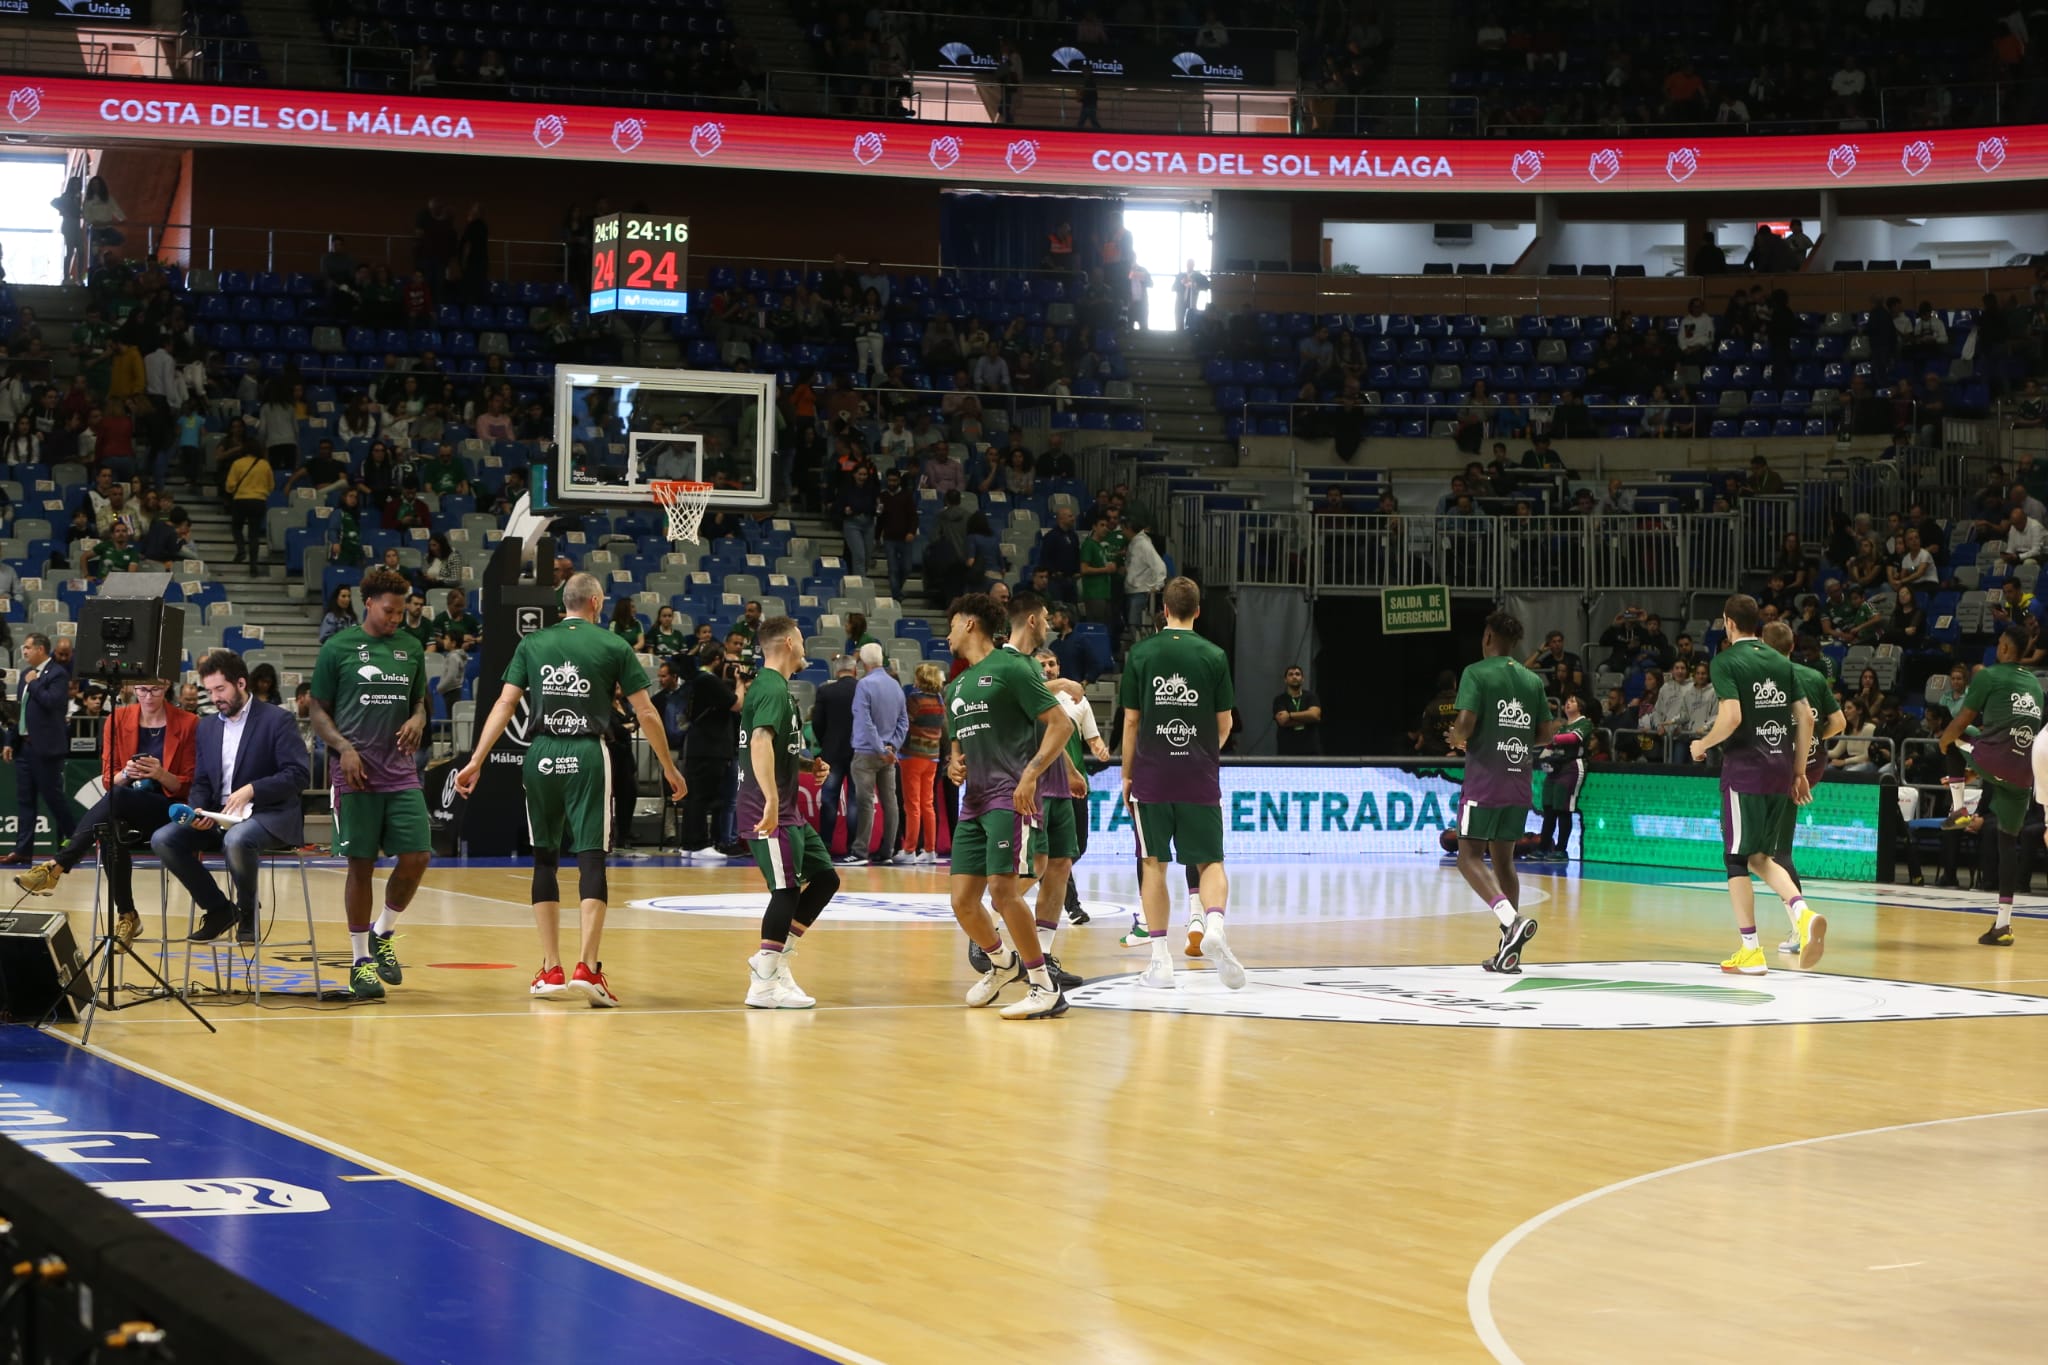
x=299 y=250
x=910 y=20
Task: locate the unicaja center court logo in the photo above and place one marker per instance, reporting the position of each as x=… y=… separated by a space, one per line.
x=1174 y=691
x=564 y=681
x=1513 y=715
x=1767 y=693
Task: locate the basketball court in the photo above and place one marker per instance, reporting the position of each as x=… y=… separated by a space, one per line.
x=1374 y=1152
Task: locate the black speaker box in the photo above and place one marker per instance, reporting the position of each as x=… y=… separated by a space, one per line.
x=130 y=638
x=37 y=956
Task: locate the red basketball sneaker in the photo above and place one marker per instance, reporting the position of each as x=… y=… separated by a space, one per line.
x=548 y=981
x=589 y=983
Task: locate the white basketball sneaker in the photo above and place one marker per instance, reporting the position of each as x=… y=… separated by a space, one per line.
x=1158 y=973
x=1217 y=947
x=770 y=985
x=1001 y=972
x=1044 y=1002
x=1791 y=943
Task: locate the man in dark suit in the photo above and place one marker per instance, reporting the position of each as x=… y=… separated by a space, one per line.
x=252 y=763
x=832 y=727
x=38 y=746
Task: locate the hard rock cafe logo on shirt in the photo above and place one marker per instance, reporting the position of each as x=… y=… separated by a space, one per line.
x=1174 y=691
x=1767 y=693
x=1513 y=715
x=1514 y=750
x=1773 y=733
x=564 y=681
x=1178 y=733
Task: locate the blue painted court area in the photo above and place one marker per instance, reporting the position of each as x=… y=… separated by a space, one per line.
x=415 y=1276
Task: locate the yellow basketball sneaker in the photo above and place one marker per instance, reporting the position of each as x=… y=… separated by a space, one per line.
x=1813 y=937
x=1747 y=962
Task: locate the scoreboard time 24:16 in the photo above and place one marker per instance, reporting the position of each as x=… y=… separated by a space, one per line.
x=639 y=264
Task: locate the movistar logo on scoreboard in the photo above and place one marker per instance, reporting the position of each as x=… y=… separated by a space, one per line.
x=638 y=301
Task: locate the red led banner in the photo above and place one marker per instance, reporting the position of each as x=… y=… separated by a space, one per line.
x=93 y=112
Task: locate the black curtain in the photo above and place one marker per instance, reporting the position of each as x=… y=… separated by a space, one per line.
x=1374 y=686
x=1009 y=231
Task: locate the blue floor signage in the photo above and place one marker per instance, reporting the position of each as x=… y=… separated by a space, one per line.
x=398 y=1268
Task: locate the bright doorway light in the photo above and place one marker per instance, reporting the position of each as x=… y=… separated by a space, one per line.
x=1165 y=238
x=30 y=233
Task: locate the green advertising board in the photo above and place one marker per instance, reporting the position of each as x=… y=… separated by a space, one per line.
x=1666 y=819
x=77 y=773
x=1415 y=611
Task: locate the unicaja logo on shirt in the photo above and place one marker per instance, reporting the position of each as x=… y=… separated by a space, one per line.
x=565 y=681
x=1174 y=691
x=1512 y=714
x=1767 y=693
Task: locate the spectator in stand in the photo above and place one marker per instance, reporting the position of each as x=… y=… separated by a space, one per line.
x=1298 y=716
x=341 y=613
x=1858 y=623
x=1850 y=753
x=1696 y=334
x=942 y=473
x=1144 y=576
x=1916 y=565
x=1763 y=480
x=857 y=502
x=984 y=563
x=1798 y=246
x=896 y=526
x=1059 y=554
x=1554 y=655
x=1699 y=704
x=1929 y=337
x=1848 y=84
x=917 y=772
x=2026 y=540
x=1098 y=573
x=991 y=374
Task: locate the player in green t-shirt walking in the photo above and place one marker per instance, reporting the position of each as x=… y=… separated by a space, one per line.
x=1177 y=694
x=370 y=709
x=1767 y=727
x=571 y=668
x=1828 y=722
x=1503 y=719
x=2004 y=703
x=791 y=855
x=994 y=709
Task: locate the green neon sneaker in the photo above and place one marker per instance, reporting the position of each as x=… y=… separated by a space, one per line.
x=1139 y=936
x=386 y=957
x=363 y=983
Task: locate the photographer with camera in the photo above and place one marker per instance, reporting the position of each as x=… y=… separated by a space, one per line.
x=711 y=704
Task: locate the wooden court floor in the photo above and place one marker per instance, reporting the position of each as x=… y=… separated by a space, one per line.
x=919 y=1182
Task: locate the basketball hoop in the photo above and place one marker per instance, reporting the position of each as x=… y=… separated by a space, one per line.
x=685 y=503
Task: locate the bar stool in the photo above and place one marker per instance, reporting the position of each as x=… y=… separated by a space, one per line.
x=249 y=956
x=133 y=840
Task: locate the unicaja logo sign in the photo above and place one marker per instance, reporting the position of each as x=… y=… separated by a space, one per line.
x=1070 y=57
x=963 y=56
x=1174 y=691
x=1513 y=715
x=565 y=681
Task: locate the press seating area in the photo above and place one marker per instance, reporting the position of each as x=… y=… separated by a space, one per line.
x=1421 y=368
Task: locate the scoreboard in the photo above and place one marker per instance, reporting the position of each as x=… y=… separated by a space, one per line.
x=639 y=264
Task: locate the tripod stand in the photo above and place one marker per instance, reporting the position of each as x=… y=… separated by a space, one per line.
x=105 y=951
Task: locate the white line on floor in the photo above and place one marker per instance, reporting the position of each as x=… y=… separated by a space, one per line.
x=691 y=1292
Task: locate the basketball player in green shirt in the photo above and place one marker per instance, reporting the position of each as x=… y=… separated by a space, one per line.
x=994 y=711
x=571 y=669
x=1767 y=727
x=1828 y=722
x=2004 y=704
x=370 y=709
x=789 y=852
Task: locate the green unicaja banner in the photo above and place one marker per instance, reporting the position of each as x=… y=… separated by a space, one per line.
x=1666 y=819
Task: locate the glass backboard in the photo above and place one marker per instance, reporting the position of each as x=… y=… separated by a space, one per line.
x=617 y=429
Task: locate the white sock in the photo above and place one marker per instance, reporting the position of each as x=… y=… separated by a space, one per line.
x=1194 y=907
x=1504 y=911
x=2004 y=914
x=1041 y=977
x=1046 y=937
x=1002 y=957
x=1792 y=909
x=1213 y=922
x=1160 y=952
x=386 y=921
x=359 y=944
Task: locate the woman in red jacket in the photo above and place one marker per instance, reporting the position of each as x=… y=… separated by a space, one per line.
x=148 y=754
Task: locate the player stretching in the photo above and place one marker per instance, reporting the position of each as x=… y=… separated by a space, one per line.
x=1498 y=704
x=792 y=857
x=997 y=753
x=572 y=666
x=1767 y=727
x=1177 y=694
x=370 y=709
x=2004 y=701
x=1828 y=722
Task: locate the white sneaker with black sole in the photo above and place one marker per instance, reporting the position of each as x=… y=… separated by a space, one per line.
x=1044 y=1002
x=994 y=980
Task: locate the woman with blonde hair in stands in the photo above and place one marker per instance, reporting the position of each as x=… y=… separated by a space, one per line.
x=918 y=768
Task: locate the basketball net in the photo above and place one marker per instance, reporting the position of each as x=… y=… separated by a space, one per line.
x=685 y=503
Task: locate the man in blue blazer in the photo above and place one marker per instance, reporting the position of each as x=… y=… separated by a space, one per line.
x=38 y=746
x=252 y=763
